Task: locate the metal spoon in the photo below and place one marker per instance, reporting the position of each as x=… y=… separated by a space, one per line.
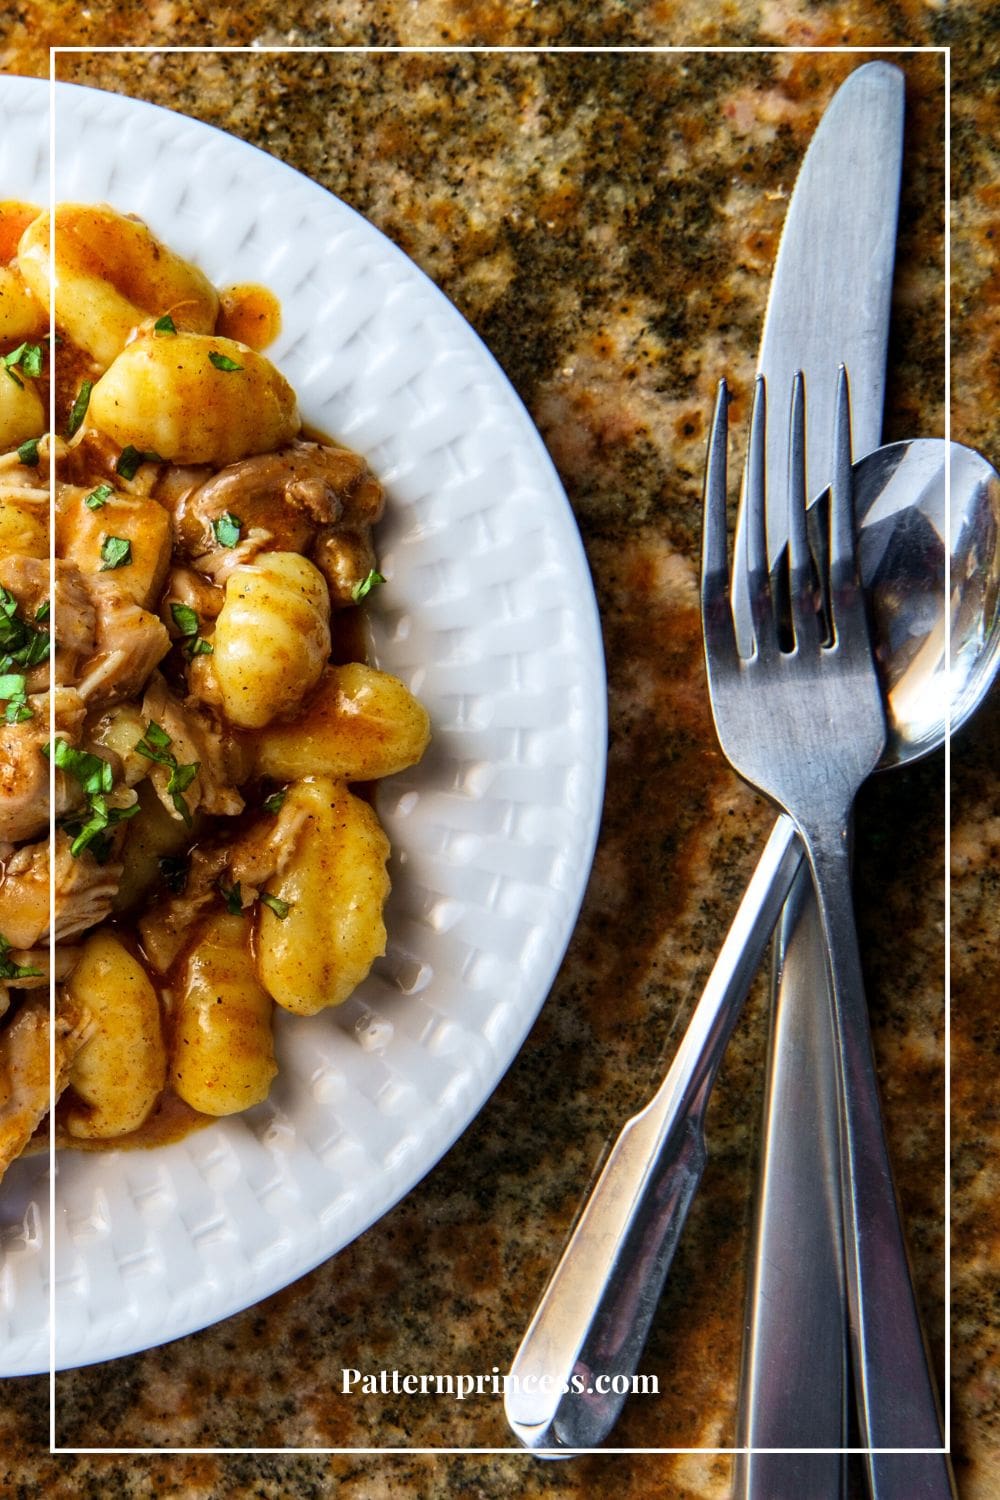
x=591 y=1325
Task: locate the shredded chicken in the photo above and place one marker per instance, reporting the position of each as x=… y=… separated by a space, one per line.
x=345 y=556
x=185 y=586
x=24 y=775
x=27 y=578
x=84 y=889
x=249 y=862
x=195 y=738
x=304 y=494
x=24 y=1071
x=24 y=896
x=130 y=643
x=286 y=494
x=74 y=610
x=172 y=924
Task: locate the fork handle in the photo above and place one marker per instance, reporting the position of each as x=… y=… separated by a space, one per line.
x=895 y=1390
x=595 y=1314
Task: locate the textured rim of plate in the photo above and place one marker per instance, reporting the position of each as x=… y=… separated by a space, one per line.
x=489 y=614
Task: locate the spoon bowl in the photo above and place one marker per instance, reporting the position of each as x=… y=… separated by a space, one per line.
x=901 y=494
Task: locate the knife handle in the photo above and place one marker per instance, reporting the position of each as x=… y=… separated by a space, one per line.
x=792 y=1393
x=793 y=1388
x=594 y=1317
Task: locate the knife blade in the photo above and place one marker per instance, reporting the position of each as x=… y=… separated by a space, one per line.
x=828 y=304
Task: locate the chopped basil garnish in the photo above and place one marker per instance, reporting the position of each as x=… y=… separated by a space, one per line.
x=99 y=497
x=223 y=362
x=363 y=589
x=21 y=644
x=28 y=357
x=155 y=745
x=274 y=803
x=27 y=454
x=93 y=833
x=116 y=552
x=9 y=969
x=95 y=777
x=275 y=903
x=91 y=771
x=157 y=737
x=181 y=778
x=185 y=618
x=13 y=693
x=164 y=324
x=227 y=530
x=233 y=897
x=187 y=622
x=42 y=612
x=130 y=461
x=79 y=408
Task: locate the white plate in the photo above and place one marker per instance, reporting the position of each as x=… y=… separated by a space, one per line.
x=489 y=615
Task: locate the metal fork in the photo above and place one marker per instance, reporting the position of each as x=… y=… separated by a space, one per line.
x=802 y=720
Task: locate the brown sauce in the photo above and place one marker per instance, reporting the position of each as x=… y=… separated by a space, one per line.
x=250 y=314
x=171 y=1120
x=14 y=220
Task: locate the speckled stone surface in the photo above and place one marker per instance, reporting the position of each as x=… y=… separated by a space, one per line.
x=607 y=223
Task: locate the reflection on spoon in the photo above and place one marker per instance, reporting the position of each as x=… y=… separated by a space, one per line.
x=900 y=493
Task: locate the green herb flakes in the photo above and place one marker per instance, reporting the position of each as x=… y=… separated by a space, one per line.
x=223 y=362
x=233 y=897
x=79 y=408
x=94 y=775
x=22 y=645
x=185 y=618
x=363 y=589
x=116 y=552
x=130 y=460
x=227 y=530
x=27 y=358
x=155 y=745
x=13 y=686
x=99 y=497
x=9 y=969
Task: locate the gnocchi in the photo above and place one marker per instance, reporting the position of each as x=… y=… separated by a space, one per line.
x=195 y=399
x=215 y=862
x=112 y=275
x=360 y=725
x=327 y=930
x=222 y=1059
x=272 y=637
x=119 y=1074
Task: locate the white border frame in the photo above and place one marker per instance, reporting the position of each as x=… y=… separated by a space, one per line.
x=867 y=51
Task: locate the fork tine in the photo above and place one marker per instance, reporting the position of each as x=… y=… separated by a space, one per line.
x=800 y=582
x=843 y=563
x=716 y=616
x=755 y=531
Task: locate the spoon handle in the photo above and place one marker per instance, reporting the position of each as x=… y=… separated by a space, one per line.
x=594 y=1317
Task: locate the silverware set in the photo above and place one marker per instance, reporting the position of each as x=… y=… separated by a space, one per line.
x=800 y=717
x=834 y=1357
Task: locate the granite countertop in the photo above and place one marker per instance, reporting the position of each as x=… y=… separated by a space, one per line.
x=607 y=223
